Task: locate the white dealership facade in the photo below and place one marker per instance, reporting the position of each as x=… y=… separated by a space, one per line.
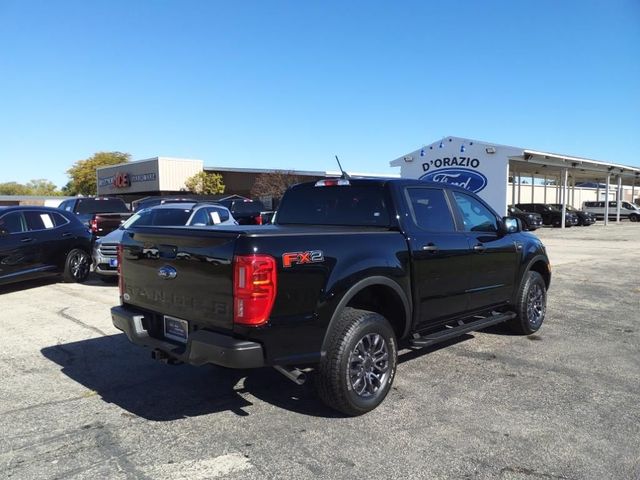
x=504 y=175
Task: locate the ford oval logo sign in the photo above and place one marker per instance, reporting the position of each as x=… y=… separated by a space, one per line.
x=167 y=272
x=460 y=177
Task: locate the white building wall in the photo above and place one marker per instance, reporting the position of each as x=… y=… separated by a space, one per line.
x=173 y=172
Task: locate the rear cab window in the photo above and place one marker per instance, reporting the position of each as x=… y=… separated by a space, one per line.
x=348 y=205
x=101 y=205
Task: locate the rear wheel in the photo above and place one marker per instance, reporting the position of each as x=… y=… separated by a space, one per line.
x=357 y=372
x=634 y=218
x=76 y=266
x=531 y=306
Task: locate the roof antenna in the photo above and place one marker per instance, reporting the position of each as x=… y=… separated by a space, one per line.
x=345 y=175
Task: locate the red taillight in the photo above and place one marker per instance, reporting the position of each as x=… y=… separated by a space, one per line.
x=254 y=289
x=94 y=225
x=258 y=220
x=120 y=281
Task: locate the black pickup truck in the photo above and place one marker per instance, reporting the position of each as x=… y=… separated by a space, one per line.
x=350 y=271
x=102 y=215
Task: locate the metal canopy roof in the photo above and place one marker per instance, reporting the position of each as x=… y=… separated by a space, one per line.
x=534 y=162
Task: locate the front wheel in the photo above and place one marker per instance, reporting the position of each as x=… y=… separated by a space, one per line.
x=357 y=371
x=531 y=306
x=76 y=266
x=634 y=217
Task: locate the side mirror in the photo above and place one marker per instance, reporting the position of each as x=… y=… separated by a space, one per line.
x=511 y=225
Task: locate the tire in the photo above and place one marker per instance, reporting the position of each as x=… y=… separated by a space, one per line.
x=355 y=341
x=531 y=305
x=633 y=218
x=76 y=266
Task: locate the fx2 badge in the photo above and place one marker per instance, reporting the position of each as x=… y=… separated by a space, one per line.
x=292 y=258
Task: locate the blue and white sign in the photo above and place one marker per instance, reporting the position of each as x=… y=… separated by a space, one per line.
x=477 y=166
x=462 y=177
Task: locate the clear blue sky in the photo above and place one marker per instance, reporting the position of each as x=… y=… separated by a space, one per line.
x=288 y=84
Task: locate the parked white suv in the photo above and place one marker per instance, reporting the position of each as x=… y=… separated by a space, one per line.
x=627 y=210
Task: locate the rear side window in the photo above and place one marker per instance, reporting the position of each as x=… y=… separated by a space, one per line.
x=218 y=215
x=96 y=205
x=430 y=209
x=334 y=205
x=475 y=216
x=39 y=220
x=13 y=222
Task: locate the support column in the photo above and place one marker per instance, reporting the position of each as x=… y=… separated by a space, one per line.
x=519 y=189
x=565 y=180
x=573 y=191
x=598 y=190
x=633 y=191
x=513 y=188
x=618 y=199
x=606 y=200
x=545 y=189
x=533 y=189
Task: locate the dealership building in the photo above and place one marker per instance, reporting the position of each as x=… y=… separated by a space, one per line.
x=167 y=176
x=500 y=174
x=504 y=175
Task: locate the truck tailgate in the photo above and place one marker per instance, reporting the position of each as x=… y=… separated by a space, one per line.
x=184 y=273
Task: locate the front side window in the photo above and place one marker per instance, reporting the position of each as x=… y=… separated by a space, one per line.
x=430 y=209
x=13 y=223
x=475 y=216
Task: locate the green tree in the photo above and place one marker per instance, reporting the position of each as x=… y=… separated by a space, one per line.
x=13 y=188
x=204 y=183
x=83 y=172
x=41 y=186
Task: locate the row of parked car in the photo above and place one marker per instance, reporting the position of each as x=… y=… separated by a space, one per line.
x=86 y=232
x=535 y=215
x=81 y=232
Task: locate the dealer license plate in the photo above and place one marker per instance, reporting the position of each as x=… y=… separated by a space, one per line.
x=176 y=329
x=113 y=262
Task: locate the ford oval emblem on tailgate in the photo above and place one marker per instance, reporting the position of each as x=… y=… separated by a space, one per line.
x=167 y=272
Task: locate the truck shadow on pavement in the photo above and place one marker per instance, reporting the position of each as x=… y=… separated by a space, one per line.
x=123 y=374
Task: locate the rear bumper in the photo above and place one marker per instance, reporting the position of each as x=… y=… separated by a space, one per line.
x=202 y=347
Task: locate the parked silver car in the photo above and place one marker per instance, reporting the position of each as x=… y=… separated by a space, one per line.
x=105 y=260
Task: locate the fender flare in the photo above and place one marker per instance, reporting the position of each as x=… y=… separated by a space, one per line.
x=528 y=266
x=358 y=287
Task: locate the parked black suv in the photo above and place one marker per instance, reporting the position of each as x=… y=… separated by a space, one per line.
x=584 y=218
x=40 y=241
x=530 y=221
x=550 y=215
x=351 y=271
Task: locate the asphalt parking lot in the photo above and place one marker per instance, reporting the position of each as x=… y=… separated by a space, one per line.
x=78 y=401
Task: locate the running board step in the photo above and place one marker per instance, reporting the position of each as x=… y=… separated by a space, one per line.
x=453 y=332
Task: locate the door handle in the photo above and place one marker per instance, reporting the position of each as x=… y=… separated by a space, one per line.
x=518 y=247
x=430 y=248
x=479 y=248
x=67 y=234
x=27 y=240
